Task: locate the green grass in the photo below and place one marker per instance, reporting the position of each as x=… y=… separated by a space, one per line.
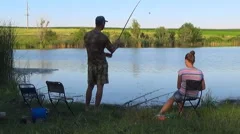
x=116 y=120
x=68 y=31
x=221 y=33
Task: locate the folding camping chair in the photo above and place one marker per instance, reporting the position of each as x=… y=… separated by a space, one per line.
x=192 y=85
x=29 y=92
x=56 y=93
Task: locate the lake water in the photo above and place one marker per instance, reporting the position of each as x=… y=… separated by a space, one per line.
x=133 y=72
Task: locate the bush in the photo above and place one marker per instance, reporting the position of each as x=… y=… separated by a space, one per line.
x=49 y=39
x=208 y=100
x=50 y=36
x=127 y=39
x=27 y=42
x=78 y=38
x=146 y=41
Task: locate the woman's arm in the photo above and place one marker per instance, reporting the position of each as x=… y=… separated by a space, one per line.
x=179 y=81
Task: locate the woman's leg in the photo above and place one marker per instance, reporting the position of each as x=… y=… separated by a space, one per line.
x=167 y=105
x=176 y=97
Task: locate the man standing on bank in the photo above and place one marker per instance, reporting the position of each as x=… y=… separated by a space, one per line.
x=95 y=43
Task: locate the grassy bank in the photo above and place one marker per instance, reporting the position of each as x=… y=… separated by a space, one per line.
x=116 y=120
x=72 y=37
x=70 y=30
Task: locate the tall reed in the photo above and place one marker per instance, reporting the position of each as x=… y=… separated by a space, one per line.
x=7 y=42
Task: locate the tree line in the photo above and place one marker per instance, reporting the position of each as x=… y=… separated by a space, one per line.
x=186 y=36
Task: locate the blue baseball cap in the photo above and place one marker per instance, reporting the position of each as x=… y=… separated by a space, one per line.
x=100 y=20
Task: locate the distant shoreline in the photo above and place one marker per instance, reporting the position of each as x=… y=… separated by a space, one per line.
x=26 y=71
x=72 y=37
x=77 y=27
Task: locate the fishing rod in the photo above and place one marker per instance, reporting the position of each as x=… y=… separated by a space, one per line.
x=127 y=103
x=129 y=19
x=152 y=99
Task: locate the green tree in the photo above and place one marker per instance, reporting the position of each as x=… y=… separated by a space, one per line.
x=162 y=37
x=189 y=35
x=172 y=38
x=135 y=31
x=43 y=27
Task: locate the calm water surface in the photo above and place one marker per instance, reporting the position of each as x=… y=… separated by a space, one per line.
x=133 y=72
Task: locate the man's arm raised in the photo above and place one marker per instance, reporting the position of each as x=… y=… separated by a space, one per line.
x=113 y=47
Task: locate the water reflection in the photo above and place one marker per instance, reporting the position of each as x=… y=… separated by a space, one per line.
x=135 y=62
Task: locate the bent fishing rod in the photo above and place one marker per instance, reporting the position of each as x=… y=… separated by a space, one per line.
x=129 y=19
x=128 y=102
x=147 y=100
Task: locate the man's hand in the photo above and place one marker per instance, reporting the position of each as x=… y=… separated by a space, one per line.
x=109 y=55
x=113 y=47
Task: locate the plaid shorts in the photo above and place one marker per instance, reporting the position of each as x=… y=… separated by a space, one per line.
x=177 y=96
x=98 y=74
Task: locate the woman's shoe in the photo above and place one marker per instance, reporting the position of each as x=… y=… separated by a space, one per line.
x=161 y=117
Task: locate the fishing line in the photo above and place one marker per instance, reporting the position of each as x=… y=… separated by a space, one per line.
x=129 y=19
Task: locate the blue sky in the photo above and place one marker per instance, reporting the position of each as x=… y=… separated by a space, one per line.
x=168 y=13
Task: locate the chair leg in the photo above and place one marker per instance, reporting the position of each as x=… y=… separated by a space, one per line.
x=42 y=99
x=30 y=101
x=181 y=108
x=54 y=106
x=57 y=102
x=69 y=107
x=39 y=102
x=195 y=108
x=26 y=102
